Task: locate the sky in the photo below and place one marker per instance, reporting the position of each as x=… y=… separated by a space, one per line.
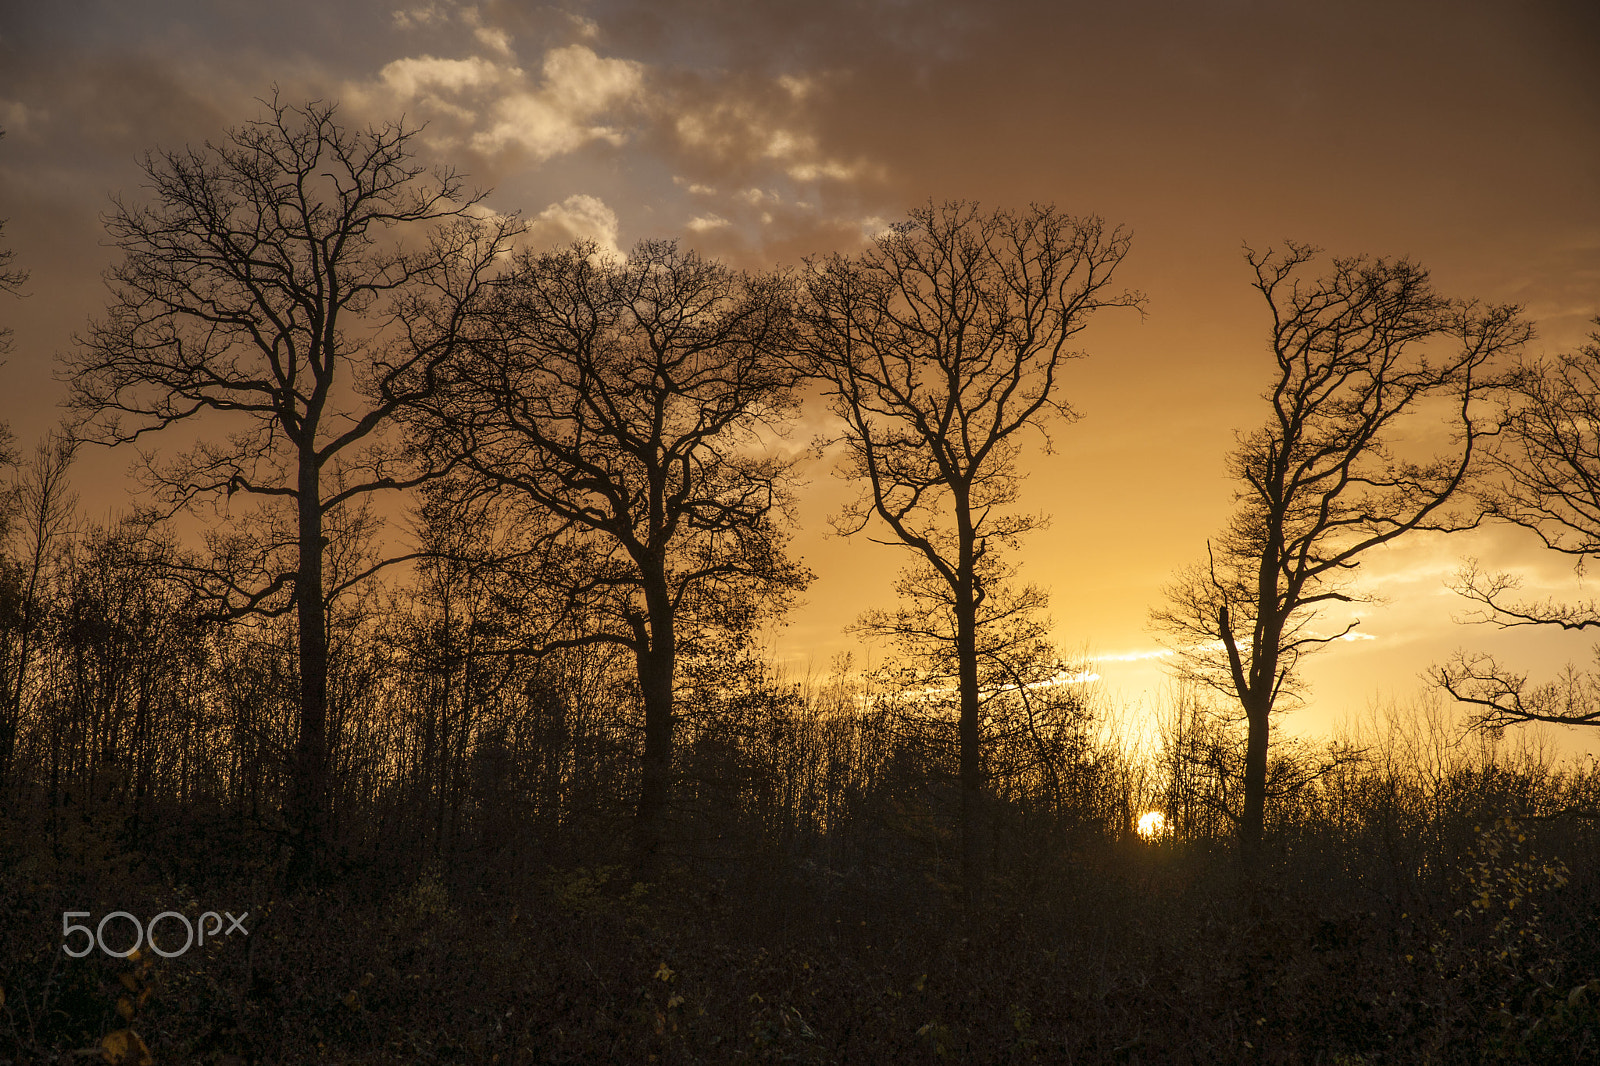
x=1460 y=133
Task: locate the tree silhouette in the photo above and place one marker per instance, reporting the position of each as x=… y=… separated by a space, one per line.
x=620 y=409
x=1546 y=478
x=1363 y=354
x=266 y=287
x=938 y=346
x=44 y=507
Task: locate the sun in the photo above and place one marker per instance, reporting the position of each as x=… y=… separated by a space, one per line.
x=1152 y=824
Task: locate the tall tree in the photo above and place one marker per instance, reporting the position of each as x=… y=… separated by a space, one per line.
x=938 y=346
x=623 y=407
x=1364 y=355
x=266 y=287
x=12 y=609
x=1544 y=477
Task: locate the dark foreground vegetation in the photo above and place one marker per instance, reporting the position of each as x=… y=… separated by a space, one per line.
x=1422 y=898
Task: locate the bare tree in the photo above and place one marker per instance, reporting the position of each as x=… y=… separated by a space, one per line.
x=1545 y=478
x=13 y=612
x=938 y=346
x=45 y=506
x=1364 y=354
x=622 y=408
x=266 y=287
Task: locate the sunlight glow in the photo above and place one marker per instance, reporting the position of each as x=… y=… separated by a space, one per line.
x=1152 y=824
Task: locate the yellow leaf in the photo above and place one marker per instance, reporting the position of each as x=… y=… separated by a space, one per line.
x=663 y=973
x=129 y=982
x=366 y=979
x=350 y=1000
x=124 y=1048
x=125 y=1007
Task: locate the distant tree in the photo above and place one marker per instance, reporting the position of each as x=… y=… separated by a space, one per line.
x=1033 y=717
x=300 y=283
x=123 y=657
x=621 y=411
x=1364 y=354
x=1545 y=477
x=939 y=346
x=11 y=585
x=44 y=506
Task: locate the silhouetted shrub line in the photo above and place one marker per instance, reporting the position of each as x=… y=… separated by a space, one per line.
x=1407 y=912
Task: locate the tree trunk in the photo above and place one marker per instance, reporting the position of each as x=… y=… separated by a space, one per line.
x=309 y=775
x=973 y=823
x=1252 y=823
x=656 y=654
x=1266 y=647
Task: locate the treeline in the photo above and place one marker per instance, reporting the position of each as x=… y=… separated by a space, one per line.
x=137 y=705
x=143 y=714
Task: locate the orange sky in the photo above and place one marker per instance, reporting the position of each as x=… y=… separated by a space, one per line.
x=1463 y=134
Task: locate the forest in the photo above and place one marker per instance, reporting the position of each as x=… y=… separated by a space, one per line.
x=426 y=689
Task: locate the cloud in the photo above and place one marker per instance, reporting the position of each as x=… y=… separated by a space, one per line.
x=558 y=115
x=1131 y=656
x=494 y=38
x=421 y=17
x=16 y=115
x=798 y=88
x=497 y=41
x=578 y=217
x=732 y=128
x=418 y=77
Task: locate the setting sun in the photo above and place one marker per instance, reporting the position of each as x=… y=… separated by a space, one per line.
x=1152 y=824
